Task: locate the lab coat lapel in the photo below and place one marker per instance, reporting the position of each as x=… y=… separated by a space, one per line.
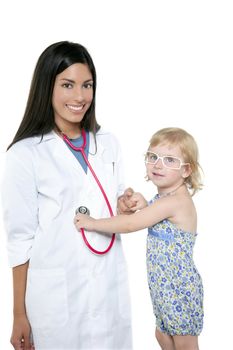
x=67 y=158
x=68 y=161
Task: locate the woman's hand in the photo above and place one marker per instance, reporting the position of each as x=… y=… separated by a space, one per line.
x=84 y=221
x=20 y=337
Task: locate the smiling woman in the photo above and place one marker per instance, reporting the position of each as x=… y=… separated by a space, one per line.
x=72 y=97
x=64 y=296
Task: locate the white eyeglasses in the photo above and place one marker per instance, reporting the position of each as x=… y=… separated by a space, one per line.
x=169 y=162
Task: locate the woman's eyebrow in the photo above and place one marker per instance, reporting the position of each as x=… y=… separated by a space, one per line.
x=69 y=80
x=72 y=81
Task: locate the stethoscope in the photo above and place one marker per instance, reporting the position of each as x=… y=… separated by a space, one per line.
x=82 y=209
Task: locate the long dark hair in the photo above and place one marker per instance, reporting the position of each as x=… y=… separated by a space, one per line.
x=38 y=118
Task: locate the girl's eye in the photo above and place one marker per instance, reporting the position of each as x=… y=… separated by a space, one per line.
x=67 y=85
x=153 y=157
x=170 y=159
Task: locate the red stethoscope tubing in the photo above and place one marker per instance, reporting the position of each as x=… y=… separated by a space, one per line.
x=82 y=150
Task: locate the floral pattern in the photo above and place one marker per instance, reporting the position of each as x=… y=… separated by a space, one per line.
x=174 y=282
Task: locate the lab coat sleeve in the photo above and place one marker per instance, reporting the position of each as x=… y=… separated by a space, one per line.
x=19 y=202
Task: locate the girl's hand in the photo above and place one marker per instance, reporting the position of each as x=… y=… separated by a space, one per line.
x=84 y=221
x=125 y=203
x=139 y=202
x=130 y=202
x=20 y=337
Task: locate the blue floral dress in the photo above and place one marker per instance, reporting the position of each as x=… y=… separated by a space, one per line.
x=174 y=282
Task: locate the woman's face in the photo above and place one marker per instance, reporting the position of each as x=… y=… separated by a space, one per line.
x=72 y=96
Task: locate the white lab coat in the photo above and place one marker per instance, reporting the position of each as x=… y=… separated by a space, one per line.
x=74 y=299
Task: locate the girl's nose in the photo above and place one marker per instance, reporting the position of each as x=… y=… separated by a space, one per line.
x=158 y=163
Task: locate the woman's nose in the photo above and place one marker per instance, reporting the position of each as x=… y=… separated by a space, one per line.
x=79 y=95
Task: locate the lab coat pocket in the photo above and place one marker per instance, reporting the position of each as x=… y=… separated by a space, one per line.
x=110 y=167
x=110 y=176
x=46 y=298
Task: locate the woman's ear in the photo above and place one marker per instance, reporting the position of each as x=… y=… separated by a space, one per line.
x=186 y=171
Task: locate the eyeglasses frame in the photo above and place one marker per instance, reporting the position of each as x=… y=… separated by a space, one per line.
x=162 y=159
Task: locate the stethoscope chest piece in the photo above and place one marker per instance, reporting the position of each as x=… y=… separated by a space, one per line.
x=82 y=210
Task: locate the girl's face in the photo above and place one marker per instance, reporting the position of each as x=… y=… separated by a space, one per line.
x=72 y=96
x=162 y=173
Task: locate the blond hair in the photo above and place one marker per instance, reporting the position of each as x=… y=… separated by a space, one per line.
x=187 y=144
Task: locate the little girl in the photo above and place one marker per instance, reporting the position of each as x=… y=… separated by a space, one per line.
x=174 y=282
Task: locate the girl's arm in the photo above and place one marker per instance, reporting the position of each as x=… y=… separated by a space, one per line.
x=154 y=213
x=21 y=327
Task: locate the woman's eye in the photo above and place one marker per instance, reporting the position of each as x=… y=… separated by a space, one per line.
x=67 y=85
x=88 y=85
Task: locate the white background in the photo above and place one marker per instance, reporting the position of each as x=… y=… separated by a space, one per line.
x=159 y=64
